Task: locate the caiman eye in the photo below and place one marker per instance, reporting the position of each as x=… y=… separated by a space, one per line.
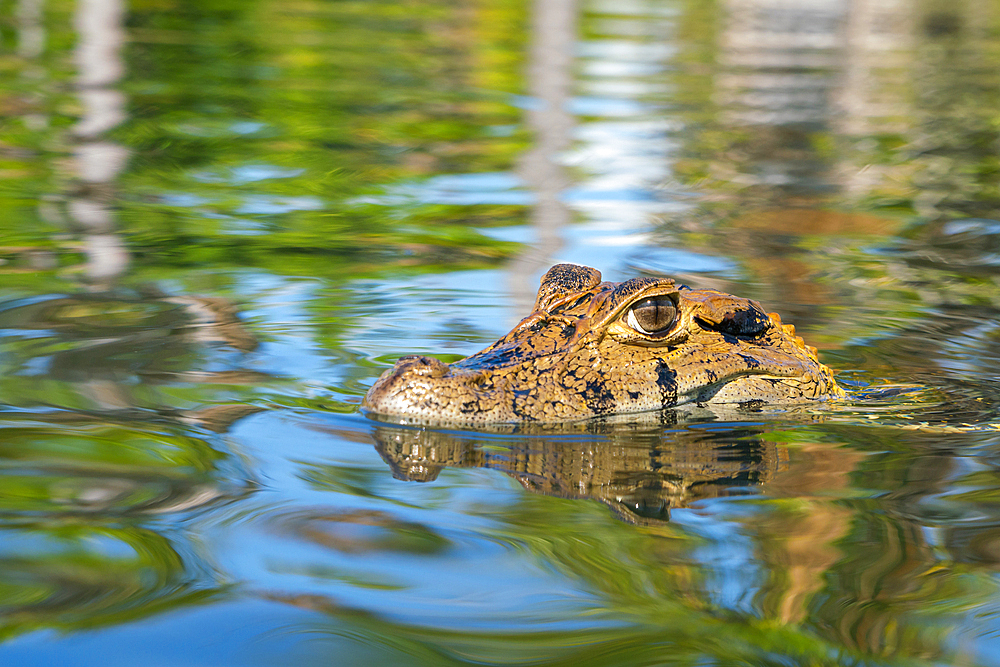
x=652 y=316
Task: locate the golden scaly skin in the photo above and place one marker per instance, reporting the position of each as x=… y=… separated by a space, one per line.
x=581 y=353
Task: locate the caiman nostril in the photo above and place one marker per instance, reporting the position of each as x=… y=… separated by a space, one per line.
x=419 y=365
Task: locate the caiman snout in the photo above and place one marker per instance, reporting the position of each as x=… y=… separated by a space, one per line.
x=419 y=365
x=422 y=388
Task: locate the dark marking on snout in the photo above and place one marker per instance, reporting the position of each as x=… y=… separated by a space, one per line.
x=748 y=320
x=666 y=380
x=599 y=398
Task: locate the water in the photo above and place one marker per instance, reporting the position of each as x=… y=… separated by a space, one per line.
x=221 y=222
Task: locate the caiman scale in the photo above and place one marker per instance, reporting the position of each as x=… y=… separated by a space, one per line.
x=593 y=348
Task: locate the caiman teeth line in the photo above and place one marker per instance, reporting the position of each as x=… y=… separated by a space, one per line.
x=709 y=347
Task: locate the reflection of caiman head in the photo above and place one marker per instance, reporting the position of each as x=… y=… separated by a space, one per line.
x=593 y=348
x=639 y=482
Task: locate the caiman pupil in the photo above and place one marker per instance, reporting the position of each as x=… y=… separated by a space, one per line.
x=591 y=348
x=651 y=316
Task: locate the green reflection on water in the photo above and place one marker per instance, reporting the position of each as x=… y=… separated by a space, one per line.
x=81 y=508
x=85 y=577
x=245 y=142
x=336 y=121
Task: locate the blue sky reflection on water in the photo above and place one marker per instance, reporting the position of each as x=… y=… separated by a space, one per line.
x=410 y=588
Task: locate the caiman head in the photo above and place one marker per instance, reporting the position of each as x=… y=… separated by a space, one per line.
x=593 y=348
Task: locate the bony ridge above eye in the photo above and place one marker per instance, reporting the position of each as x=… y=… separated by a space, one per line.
x=653 y=315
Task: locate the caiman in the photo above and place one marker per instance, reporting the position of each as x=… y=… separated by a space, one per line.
x=591 y=348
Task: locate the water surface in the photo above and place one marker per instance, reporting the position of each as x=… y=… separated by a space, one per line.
x=221 y=222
